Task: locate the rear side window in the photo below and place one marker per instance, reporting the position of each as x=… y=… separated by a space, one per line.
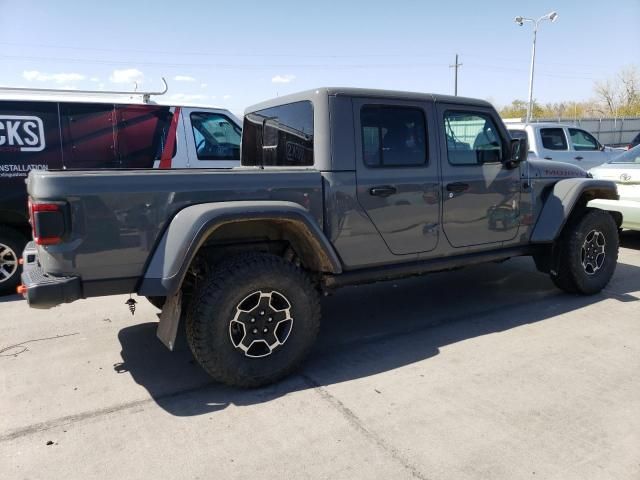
x=279 y=136
x=472 y=138
x=582 y=140
x=553 y=138
x=216 y=137
x=393 y=136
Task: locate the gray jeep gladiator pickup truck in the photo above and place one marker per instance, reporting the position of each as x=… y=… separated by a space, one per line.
x=336 y=187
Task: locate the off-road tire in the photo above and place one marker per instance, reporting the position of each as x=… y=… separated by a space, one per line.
x=570 y=274
x=217 y=301
x=11 y=244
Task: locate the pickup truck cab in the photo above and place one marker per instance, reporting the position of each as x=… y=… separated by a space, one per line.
x=338 y=186
x=563 y=143
x=82 y=132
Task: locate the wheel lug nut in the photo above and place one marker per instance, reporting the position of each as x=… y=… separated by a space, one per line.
x=265 y=330
x=253 y=320
x=255 y=330
x=261 y=312
x=270 y=319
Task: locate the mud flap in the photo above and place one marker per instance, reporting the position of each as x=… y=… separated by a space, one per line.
x=169 y=320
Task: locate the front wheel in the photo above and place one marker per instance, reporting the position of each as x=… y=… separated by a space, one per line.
x=588 y=253
x=253 y=320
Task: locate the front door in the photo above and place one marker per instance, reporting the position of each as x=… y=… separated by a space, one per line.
x=397 y=172
x=481 y=195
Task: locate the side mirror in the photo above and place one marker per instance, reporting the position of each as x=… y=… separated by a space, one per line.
x=519 y=150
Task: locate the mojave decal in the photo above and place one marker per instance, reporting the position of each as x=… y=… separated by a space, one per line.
x=21 y=133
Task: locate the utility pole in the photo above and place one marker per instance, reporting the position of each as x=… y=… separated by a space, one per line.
x=455 y=66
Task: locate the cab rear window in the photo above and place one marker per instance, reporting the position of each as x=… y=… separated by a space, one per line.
x=279 y=136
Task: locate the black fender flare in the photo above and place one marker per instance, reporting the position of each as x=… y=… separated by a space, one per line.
x=191 y=226
x=561 y=202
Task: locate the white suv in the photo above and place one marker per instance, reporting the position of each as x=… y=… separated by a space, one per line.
x=563 y=143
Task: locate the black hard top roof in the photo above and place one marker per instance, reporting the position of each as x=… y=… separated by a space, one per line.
x=315 y=93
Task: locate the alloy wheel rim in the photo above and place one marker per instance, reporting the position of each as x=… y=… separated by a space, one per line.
x=261 y=324
x=593 y=252
x=8 y=262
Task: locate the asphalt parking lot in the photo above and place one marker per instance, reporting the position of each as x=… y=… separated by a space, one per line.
x=487 y=372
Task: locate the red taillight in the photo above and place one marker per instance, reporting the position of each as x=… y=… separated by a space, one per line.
x=43 y=216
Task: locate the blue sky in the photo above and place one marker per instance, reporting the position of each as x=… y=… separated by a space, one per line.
x=237 y=53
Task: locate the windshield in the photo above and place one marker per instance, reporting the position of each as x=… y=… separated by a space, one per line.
x=631 y=156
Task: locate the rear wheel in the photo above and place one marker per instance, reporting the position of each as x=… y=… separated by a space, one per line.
x=588 y=253
x=11 y=245
x=253 y=320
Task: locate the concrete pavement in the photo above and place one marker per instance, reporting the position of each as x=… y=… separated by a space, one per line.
x=487 y=372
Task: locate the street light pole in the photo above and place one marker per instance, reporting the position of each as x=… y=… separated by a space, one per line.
x=552 y=16
x=533 y=64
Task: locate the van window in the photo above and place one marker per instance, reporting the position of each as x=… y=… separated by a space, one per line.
x=393 y=136
x=553 y=138
x=472 y=138
x=88 y=136
x=518 y=134
x=216 y=137
x=279 y=136
x=141 y=132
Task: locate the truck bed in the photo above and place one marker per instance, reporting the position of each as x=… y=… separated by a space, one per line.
x=117 y=217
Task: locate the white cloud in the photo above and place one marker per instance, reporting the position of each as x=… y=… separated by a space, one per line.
x=203 y=85
x=35 y=75
x=94 y=79
x=184 y=78
x=127 y=75
x=283 y=79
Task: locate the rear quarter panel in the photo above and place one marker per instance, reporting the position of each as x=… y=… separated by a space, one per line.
x=117 y=217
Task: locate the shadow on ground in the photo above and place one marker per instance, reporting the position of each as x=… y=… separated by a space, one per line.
x=10 y=298
x=371 y=329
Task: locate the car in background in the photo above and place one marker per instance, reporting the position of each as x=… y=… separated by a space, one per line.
x=634 y=142
x=562 y=143
x=625 y=171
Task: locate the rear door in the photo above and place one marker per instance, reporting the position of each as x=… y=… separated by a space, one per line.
x=397 y=172
x=481 y=196
x=212 y=137
x=553 y=144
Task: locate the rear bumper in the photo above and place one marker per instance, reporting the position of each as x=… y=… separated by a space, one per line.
x=42 y=290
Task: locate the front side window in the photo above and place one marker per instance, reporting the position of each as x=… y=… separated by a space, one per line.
x=216 y=137
x=553 y=138
x=393 y=136
x=582 y=140
x=472 y=138
x=279 y=136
